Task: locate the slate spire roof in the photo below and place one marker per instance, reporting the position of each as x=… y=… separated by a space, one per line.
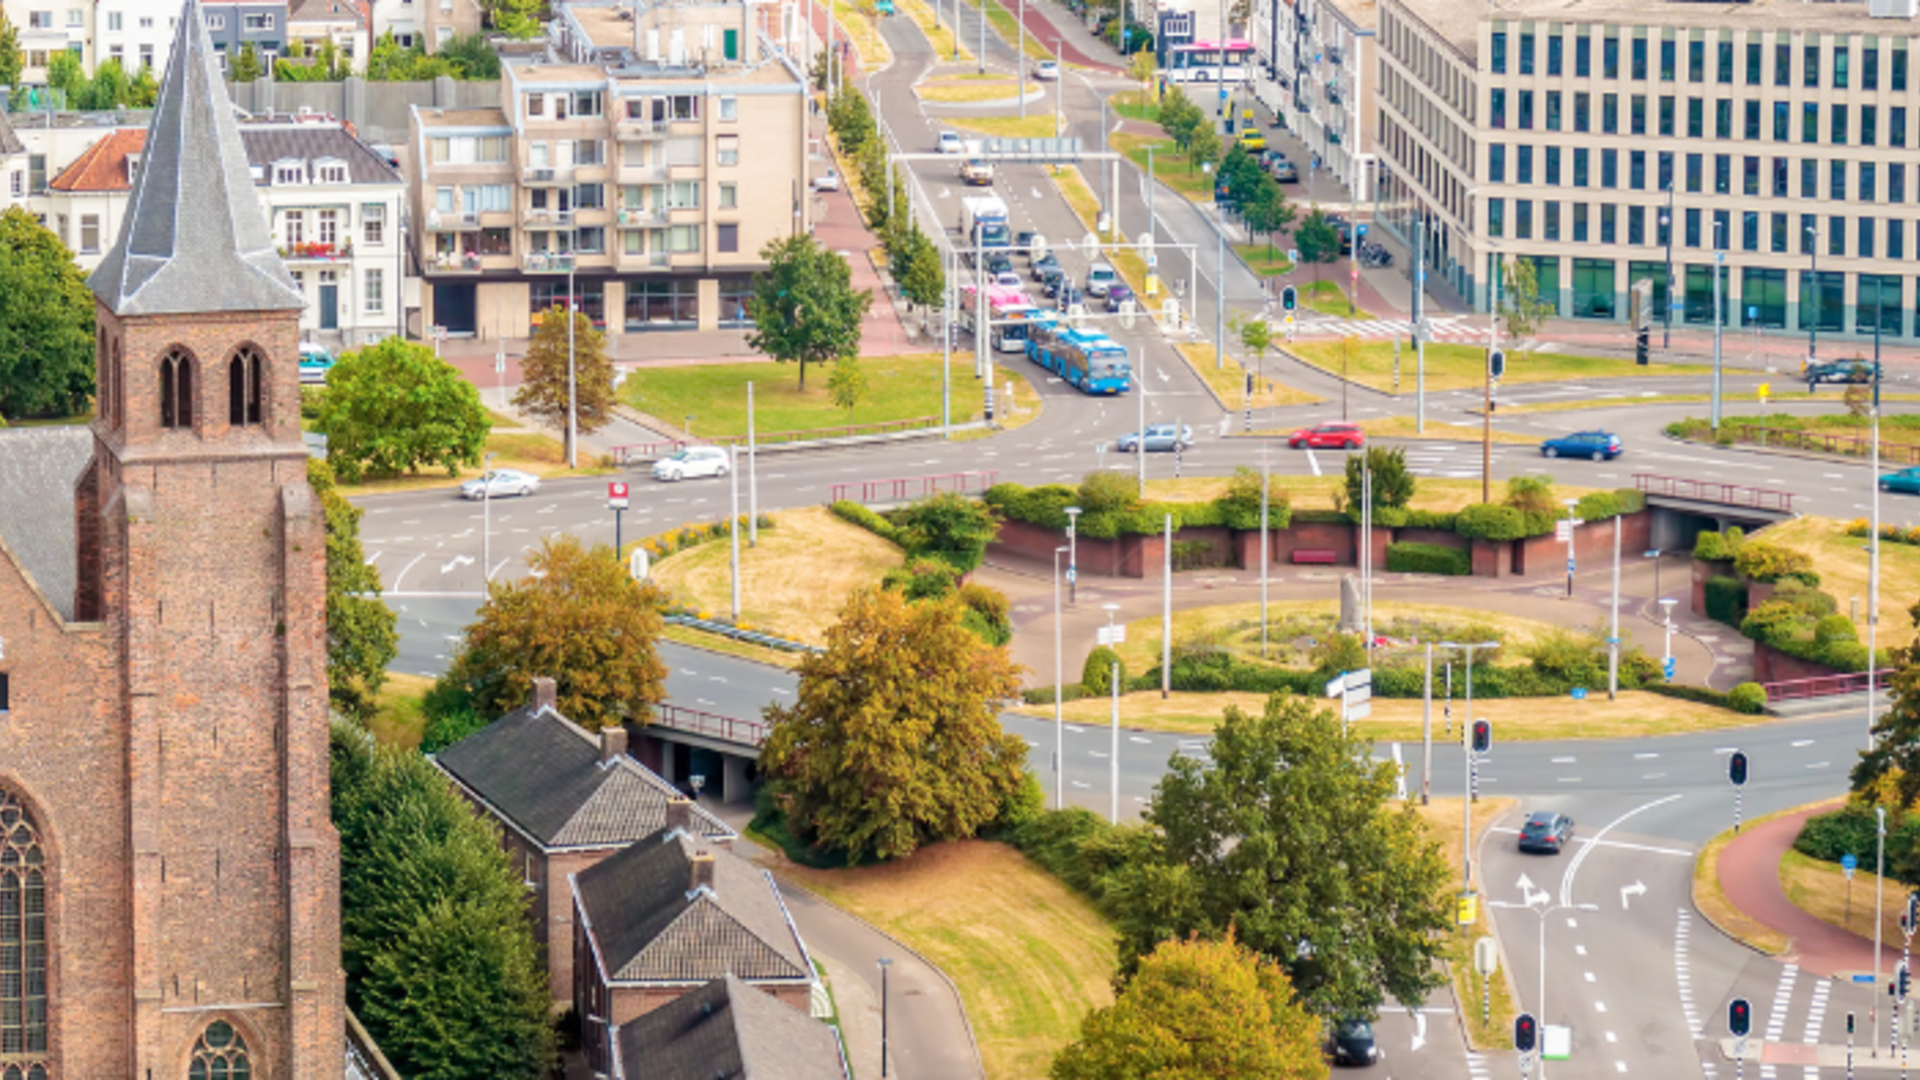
x=194 y=239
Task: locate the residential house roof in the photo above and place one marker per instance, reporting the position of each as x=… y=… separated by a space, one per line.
x=543 y=773
x=327 y=11
x=38 y=470
x=311 y=142
x=191 y=241
x=726 y=1030
x=651 y=918
x=102 y=167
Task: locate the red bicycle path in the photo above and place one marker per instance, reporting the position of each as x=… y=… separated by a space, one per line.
x=1042 y=29
x=1749 y=873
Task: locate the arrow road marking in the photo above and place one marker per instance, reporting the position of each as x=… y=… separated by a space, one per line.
x=458 y=561
x=1525 y=885
x=1636 y=889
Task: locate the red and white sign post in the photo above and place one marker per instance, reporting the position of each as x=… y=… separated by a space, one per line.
x=617 y=502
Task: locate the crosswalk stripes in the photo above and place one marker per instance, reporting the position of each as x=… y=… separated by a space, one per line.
x=1683 y=973
x=1478 y=1068
x=1443 y=330
x=1816 y=1015
x=1777 y=1015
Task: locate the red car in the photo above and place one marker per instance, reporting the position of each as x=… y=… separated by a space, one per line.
x=1329 y=437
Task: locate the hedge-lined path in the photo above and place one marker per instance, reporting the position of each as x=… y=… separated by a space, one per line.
x=1705 y=652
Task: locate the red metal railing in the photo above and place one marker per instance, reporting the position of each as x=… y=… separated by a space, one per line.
x=1825 y=686
x=912 y=487
x=632 y=452
x=695 y=721
x=1826 y=442
x=1714 y=492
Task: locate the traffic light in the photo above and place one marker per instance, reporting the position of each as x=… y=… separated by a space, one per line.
x=1496 y=363
x=1739 y=1017
x=1737 y=768
x=1249 y=384
x=1289 y=299
x=1849 y=1023
x=1641 y=347
x=1482 y=736
x=1901 y=981
x=1525 y=1034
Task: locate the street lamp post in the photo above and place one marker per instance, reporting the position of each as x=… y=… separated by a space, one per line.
x=1541 y=911
x=1466 y=795
x=1666 y=223
x=1719 y=271
x=885 y=963
x=1113 y=685
x=1811 y=304
x=1073 y=542
x=1571 y=503
x=1654 y=554
x=1059 y=720
x=486 y=522
x=1666 y=610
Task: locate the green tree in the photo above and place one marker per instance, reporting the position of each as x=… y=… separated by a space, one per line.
x=1267 y=211
x=949 y=527
x=894 y=739
x=1241 y=174
x=804 y=307
x=1287 y=839
x=543 y=376
x=1180 y=118
x=392 y=407
x=1203 y=146
x=1317 y=241
x=145 y=89
x=1391 y=482
x=922 y=279
x=578 y=618
x=518 y=19
x=1894 y=761
x=12 y=59
x=1520 y=303
x=1256 y=336
x=46 y=323
x=847 y=384
x=361 y=641
x=1198 y=1010
x=440 y=958
x=65 y=75
x=472 y=56
x=246 y=66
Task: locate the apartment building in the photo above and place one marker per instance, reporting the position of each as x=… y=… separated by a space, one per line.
x=1324 y=62
x=138 y=33
x=348 y=24
x=235 y=24
x=647 y=163
x=426 y=23
x=47 y=27
x=1605 y=141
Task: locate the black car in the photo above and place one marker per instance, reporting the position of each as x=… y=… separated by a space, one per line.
x=1842 y=371
x=1351 y=1043
x=997 y=263
x=1051 y=280
x=1024 y=239
x=1546 y=831
x=1043 y=265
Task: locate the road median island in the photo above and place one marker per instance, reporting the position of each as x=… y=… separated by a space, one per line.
x=1442 y=818
x=939 y=37
x=1460 y=367
x=1228 y=383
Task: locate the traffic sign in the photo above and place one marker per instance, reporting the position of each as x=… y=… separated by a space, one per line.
x=1666 y=668
x=1569 y=566
x=1848 y=864
x=1467 y=911
x=617 y=495
x=1579 y=693
x=1360 y=229
x=1112 y=635
x=1073 y=575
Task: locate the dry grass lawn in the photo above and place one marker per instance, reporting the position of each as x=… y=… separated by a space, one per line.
x=965 y=90
x=1406 y=427
x=745 y=650
x=1820 y=889
x=1842 y=563
x=1031 y=126
x=1442 y=818
x=1229 y=382
x=794 y=583
x=397 y=720
x=1030 y=955
x=1635 y=714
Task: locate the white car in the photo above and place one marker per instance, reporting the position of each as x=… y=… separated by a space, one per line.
x=951 y=143
x=693 y=461
x=499 y=483
x=827 y=181
x=1008 y=279
x=1047 y=70
x=1100 y=279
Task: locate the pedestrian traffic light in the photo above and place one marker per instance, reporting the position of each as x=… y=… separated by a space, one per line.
x=1496 y=363
x=1739 y=1017
x=1902 y=981
x=1641 y=347
x=1737 y=768
x=1289 y=299
x=1849 y=1023
x=1482 y=736
x=1249 y=384
x=1525 y=1034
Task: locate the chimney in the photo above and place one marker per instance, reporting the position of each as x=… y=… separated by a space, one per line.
x=702 y=872
x=680 y=815
x=613 y=744
x=542 y=693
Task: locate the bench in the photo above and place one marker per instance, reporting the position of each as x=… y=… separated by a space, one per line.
x=1302 y=556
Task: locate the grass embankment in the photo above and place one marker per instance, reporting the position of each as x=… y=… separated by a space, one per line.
x=1008 y=28
x=1896 y=429
x=793 y=584
x=1035 y=125
x=1170 y=166
x=1268 y=259
x=715 y=395
x=398 y=719
x=1229 y=382
x=1328 y=298
x=855 y=19
x=1136 y=105
x=1819 y=888
x=513 y=446
x=1712 y=900
x=1031 y=956
x=745 y=650
x=1442 y=818
x=1842 y=562
x=967 y=89
x=1445 y=495
x=1406 y=427
x=1458 y=367
x=937 y=33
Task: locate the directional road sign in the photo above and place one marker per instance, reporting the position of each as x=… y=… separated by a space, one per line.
x=617 y=495
x=1112 y=635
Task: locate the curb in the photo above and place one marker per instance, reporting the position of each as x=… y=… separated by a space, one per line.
x=973 y=1040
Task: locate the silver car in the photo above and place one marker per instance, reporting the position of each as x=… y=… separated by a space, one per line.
x=691 y=462
x=1159 y=439
x=500 y=483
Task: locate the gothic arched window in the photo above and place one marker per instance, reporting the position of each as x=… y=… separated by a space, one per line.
x=221 y=1054
x=116 y=415
x=23 y=945
x=176 y=389
x=245 y=389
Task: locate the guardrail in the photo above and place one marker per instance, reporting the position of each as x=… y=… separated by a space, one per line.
x=895 y=489
x=699 y=722
x=636 y=452
x=753 y=636
x=1824 y=686
x=1714 y=492
x=1825 y=442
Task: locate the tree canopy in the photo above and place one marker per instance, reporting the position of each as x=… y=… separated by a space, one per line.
x=804 y=307
x=1894 y=760
x=360 y=629
x=1198 y=1010
x=12 y=60
x=1286 y=839
x=1317 y=241
x=245 y=66
x=469 y=57
x=392 y=407
x=894 y=738
x=46 y=323
x=440 y=958
x=543 y=376
x=578 y=618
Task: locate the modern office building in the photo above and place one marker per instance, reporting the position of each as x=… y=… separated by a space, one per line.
x=1606 y=141
x=647 y=163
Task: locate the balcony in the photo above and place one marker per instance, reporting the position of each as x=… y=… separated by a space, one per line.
x=315 y=251
x=548 y=262
x=447 y=221
x=632 y=128
x=637 y=173
x=548 y=176
x=549 y=219
x=452 y=262
x=638 y=216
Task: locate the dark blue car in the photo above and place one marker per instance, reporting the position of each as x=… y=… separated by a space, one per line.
x=1598 y=445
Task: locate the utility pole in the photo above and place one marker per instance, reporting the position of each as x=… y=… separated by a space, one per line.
x=753 y=477
x=1166 y=610
x=1613 y=623
x=1486 y=401
x=1719 y=270
x=1426 y=732
x=733 y=525
x=1419 y=313
x=573 y=396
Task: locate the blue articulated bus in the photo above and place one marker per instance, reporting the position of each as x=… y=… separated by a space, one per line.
x=1087 y=360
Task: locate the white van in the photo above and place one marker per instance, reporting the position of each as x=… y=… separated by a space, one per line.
x=1100 y=278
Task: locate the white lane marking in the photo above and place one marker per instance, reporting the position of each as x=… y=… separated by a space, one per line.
x=1648 y=756
x=1562 y=761
x=1573 y=868
x=1589 y=976
x=1600 y=1006
x=1612 y=1038
x=1817 y=765
x=1142 y=739
x=1579 y=950
x=1313 y=462
x=1802 y=742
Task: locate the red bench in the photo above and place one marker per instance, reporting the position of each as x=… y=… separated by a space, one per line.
x=1324 y=556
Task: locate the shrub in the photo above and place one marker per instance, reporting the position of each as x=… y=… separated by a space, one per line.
x=1774 y=621
x=1193 y=555
x=949 y=527
x=1336 y=653
x=987 y=613
x=1761 y=561
x=922 y=579
x=1852 y=830
x=1491 y=521
x=1718 y=547
x=1239 y=508
x=1415 y=558
x=1748 y=697
x=1098 y=670
x=1597 y=506
x=1726 y=599
x=1531 y=494
x=855 y=513
x=1631 y=500
x=1392 y=484
x=1043 y=695
x=1107 y=491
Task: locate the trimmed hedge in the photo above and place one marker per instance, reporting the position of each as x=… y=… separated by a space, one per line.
x=1046 y=506
x=1852 y=830
x=848 y=510
x=1726 y=599
x=1748 y=697
x=1492 y=521
x=1415 y=558
x=1097 y=673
